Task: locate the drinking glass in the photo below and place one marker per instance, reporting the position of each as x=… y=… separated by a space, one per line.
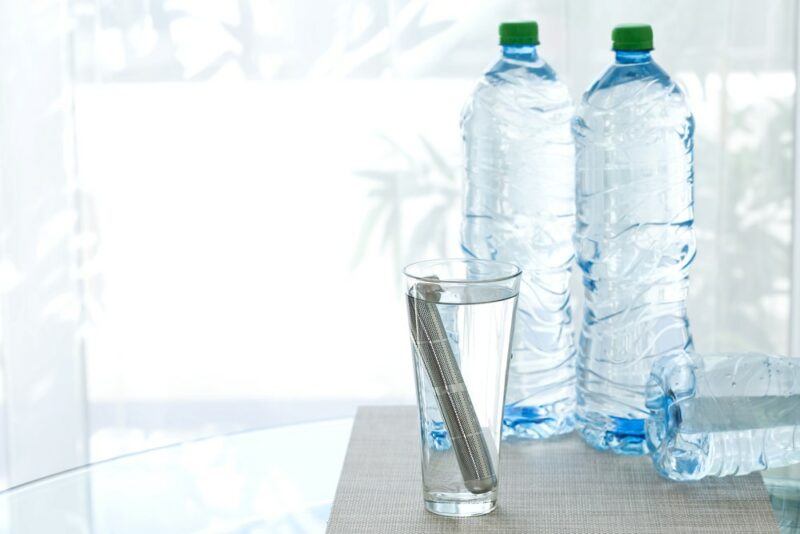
x=461 y=318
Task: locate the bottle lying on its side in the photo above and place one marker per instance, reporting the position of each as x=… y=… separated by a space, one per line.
x=723 y=414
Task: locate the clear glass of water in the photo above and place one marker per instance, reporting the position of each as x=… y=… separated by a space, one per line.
x=461 y=319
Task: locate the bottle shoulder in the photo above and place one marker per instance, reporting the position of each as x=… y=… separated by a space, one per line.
x=506 y=70
x=525 y=94
x=631 y=85
x=532 y=85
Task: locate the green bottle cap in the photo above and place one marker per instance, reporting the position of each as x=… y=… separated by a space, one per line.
x=632 y=37
x=519 y=33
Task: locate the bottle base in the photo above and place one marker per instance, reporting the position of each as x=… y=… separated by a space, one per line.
x=537 y=422
x=617 y=434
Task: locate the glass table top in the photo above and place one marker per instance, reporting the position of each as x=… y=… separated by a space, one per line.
x=279 y=480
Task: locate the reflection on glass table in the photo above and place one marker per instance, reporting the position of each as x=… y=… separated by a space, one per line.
x=279 y=480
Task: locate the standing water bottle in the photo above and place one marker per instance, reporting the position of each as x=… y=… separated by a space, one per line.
x=520 y=207
x=723 y=414
x=634 y=238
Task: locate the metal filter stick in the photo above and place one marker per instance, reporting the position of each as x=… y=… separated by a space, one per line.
x=452 y=396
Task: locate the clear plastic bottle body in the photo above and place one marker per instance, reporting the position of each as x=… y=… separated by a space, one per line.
x=634 y=242
x=723 y=414
x=519 y=206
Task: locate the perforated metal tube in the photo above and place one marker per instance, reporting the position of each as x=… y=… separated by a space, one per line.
x=452 y=396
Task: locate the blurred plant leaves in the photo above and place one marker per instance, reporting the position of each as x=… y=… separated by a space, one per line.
x=422 y=178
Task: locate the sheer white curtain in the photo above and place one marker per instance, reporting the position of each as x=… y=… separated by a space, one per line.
x=250 y=176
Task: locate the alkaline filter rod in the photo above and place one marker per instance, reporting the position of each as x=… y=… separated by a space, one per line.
x=452 y=396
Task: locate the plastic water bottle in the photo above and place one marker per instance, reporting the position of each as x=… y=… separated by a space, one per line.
x=723 y=414
x=520 y=207
x=634 y=238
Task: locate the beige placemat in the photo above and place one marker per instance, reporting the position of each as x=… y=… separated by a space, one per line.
x=555 y=486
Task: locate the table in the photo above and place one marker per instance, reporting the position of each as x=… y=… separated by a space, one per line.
x=278 y=480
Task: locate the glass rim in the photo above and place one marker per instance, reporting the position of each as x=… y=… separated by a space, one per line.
x=493 y=280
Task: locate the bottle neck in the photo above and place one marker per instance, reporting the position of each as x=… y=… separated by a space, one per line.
x=520 y=52
x=631 y=57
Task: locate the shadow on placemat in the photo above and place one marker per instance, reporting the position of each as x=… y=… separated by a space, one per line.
x=554 y=486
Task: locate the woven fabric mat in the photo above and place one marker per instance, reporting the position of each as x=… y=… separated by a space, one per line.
x=554 y=486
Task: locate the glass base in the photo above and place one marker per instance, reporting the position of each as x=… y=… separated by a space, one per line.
x=460 y=509
x=616 y=434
